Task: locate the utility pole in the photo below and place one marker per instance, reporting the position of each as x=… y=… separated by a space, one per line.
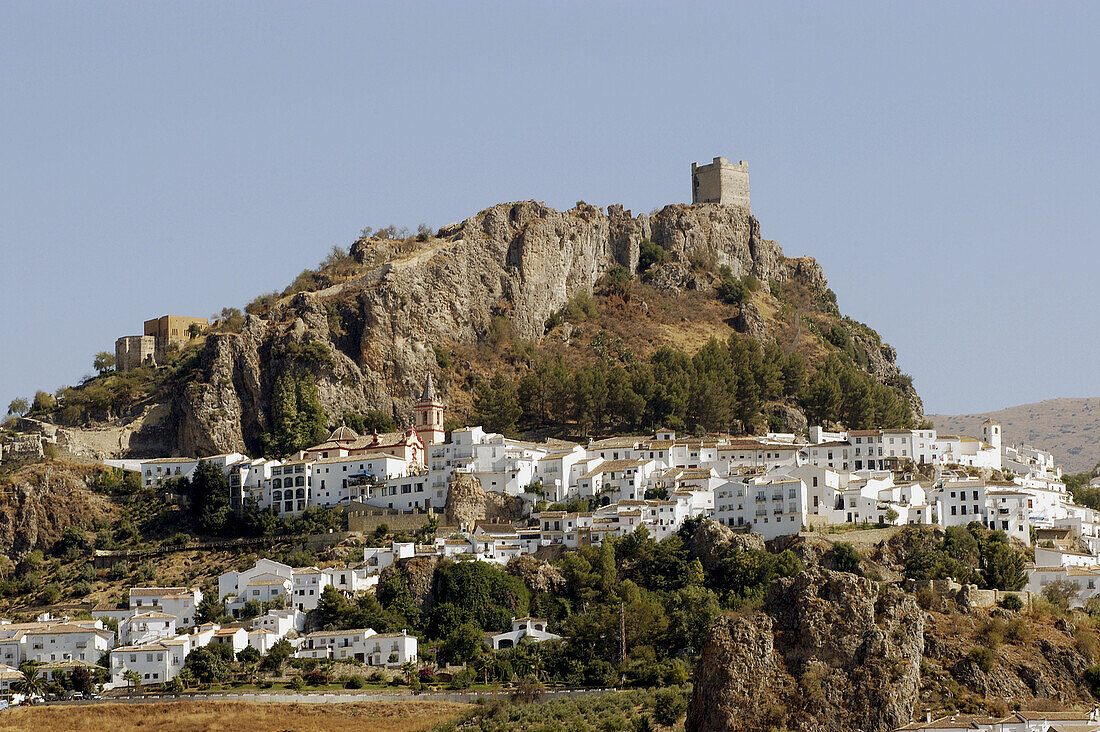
x=622 y=631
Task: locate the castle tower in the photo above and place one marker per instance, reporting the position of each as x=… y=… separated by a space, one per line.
x=429 y=416
x=721 y=182
x=991 y=434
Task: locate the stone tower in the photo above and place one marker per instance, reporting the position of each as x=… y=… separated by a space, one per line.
x=721 y=182
x=429 y=416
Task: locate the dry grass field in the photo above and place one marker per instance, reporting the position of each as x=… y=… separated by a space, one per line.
x=191 y=716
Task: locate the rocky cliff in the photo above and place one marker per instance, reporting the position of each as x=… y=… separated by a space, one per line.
x=38 y=502
x=520 y=262
x=828 y=651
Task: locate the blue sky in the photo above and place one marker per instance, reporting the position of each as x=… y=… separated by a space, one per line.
x=938 y=159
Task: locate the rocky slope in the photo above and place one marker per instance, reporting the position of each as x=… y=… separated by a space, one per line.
x=1069 y=428
x=517 y=262
x=38 y=502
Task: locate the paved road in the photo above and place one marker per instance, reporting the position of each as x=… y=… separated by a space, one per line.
x=329 y=697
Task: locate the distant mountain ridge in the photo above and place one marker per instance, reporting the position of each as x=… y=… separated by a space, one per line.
x=1068 y=428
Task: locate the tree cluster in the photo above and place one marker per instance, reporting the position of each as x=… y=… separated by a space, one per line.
x=297 y=418
x=970 y=554
x=725 y=386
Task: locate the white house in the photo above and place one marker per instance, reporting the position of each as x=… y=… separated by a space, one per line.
x=533 y=628
x=266 y=582
x=391 y=649
x=146 y=627
x=180 y=602
x=338 y=480
x=309 y=582
x=155 y=663
x=336 y=644
x=288 y=491
x=161 y=470
x=773 y=505
x=1086 y=580
x=280 y=622
x=378 y=558
x=235 y=638
x=67 y=641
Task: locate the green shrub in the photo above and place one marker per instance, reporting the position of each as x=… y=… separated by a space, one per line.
x=1012 y=602
x=730 y=291
x=1017 y=631
x=355 y=681
x=846 y=557
x=649 y=254
x=982 y=657
x=580 y=307
x=669 y=705
x=1092 y=678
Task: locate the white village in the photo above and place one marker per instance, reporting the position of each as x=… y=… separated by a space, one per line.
x=773 y=485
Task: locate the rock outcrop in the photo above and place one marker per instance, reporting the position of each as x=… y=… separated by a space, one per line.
x=418 y=574
x=468 y=502
x=38 y=502
x=222 y=407
x=521 y=261
x=828 y=651
x=537 y=575
x=711 y=541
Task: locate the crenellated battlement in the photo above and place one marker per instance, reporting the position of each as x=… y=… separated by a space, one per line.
x=721 y=182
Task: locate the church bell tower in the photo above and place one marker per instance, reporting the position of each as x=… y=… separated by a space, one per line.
x=429 y=415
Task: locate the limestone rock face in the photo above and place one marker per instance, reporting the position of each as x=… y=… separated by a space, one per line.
x=750 y=322
x=222 y=407
x=711 y=541
x=522 y=261
x=829 y=651
x=419 y=574
x=537 y=575
x=43 y=501
x=468 y=502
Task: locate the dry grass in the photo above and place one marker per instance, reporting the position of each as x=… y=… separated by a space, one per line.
x=185 y=716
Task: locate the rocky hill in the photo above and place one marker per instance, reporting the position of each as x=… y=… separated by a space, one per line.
x=477 y=296
x=1069 y=428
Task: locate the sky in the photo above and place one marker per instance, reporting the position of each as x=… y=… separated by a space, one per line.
x=938 y=159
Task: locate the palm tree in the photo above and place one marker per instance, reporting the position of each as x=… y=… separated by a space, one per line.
x=482 y=664
x=408 y=668
x=328 y=667
x=250 y=670
x=186 y=677
x=32 y=683
x=132 y=677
